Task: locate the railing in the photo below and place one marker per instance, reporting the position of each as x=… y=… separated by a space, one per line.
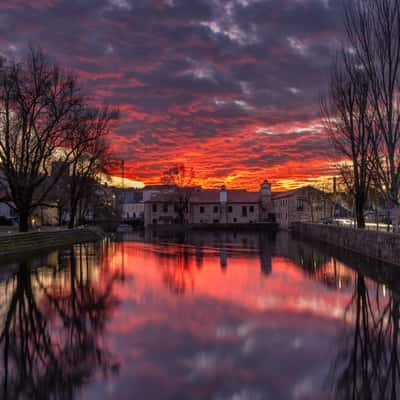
x=370 y=226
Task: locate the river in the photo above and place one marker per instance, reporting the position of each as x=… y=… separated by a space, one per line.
x=220 y=316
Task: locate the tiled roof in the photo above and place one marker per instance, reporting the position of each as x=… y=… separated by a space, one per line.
x=299 y=191
x=243 y=196
x=205 y=196
x=163 y=197
x=210 y=196
x=159 y=187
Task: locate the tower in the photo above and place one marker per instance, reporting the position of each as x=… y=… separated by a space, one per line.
x=267 y=209
x=223 y=199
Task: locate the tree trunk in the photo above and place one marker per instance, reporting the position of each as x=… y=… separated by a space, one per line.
x=395 y=218
x=24 y=221
x=360 y=220
x=72 y=216
x=60 y=211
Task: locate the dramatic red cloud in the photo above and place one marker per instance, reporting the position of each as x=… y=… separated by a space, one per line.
x=230 y=88
x=241 y=160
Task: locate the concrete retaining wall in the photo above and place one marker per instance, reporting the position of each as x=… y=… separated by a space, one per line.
x=32 y=241
x=379 y=245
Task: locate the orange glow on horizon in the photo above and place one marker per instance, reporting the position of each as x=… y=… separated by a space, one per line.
x=283 y=154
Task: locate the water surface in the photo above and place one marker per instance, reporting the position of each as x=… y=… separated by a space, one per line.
x=202 y=316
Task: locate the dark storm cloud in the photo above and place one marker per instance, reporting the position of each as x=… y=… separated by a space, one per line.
x=191 y=74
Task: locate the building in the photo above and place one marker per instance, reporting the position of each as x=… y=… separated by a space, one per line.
x=305 y=204
x=6 y=211
x=162 y=205
x=130 y=202
x=222 y=206
x=152 y=190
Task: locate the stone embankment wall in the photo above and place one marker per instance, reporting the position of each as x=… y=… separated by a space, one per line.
x=20 y=243
x=379 y=245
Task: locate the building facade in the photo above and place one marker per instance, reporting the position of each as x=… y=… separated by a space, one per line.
x=305 y=204
x=207 y=206
x=130 y=203
x=211 y=206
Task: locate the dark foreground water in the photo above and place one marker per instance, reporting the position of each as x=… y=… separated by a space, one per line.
x=207 y=316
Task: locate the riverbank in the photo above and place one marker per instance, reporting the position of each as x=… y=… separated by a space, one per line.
x=18 y=243
x=381 y=246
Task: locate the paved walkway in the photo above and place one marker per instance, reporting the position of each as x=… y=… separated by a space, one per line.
x=12 y=230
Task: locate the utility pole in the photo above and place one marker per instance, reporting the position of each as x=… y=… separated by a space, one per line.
x=123 y=173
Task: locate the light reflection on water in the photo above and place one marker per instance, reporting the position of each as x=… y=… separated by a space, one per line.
x=201 y=316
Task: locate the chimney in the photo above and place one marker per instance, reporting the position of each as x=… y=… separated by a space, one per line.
x=223 y=195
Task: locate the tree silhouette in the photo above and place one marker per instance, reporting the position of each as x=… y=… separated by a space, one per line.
x=51 y=338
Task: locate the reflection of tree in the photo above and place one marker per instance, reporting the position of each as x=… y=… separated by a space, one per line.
x=368 y=367
x=177 y=273
x=51 y=337
x=265 y=254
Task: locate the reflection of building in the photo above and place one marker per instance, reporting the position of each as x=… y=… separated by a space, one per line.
x=318 y=264
x=265 y=255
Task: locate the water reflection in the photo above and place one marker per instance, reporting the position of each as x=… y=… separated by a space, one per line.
x=226 y=315
x=53 y=319
x=367 y=365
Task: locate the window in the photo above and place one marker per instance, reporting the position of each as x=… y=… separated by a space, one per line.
x=154 y=207
x=300 y=205
x=234 y=220
x=216 y=221
x=165 y=208
x=230 y=209
x=215 y=209
x=201 y=209
x=244 y=211
x=251 y=209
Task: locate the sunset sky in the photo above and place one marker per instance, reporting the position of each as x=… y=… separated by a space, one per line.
x=228 y=87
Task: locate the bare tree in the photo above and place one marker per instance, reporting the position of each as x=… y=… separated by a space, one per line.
x=373 y=32
x=182 y=177
x=91 y=155
x=39 y=106
x=348 y=118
